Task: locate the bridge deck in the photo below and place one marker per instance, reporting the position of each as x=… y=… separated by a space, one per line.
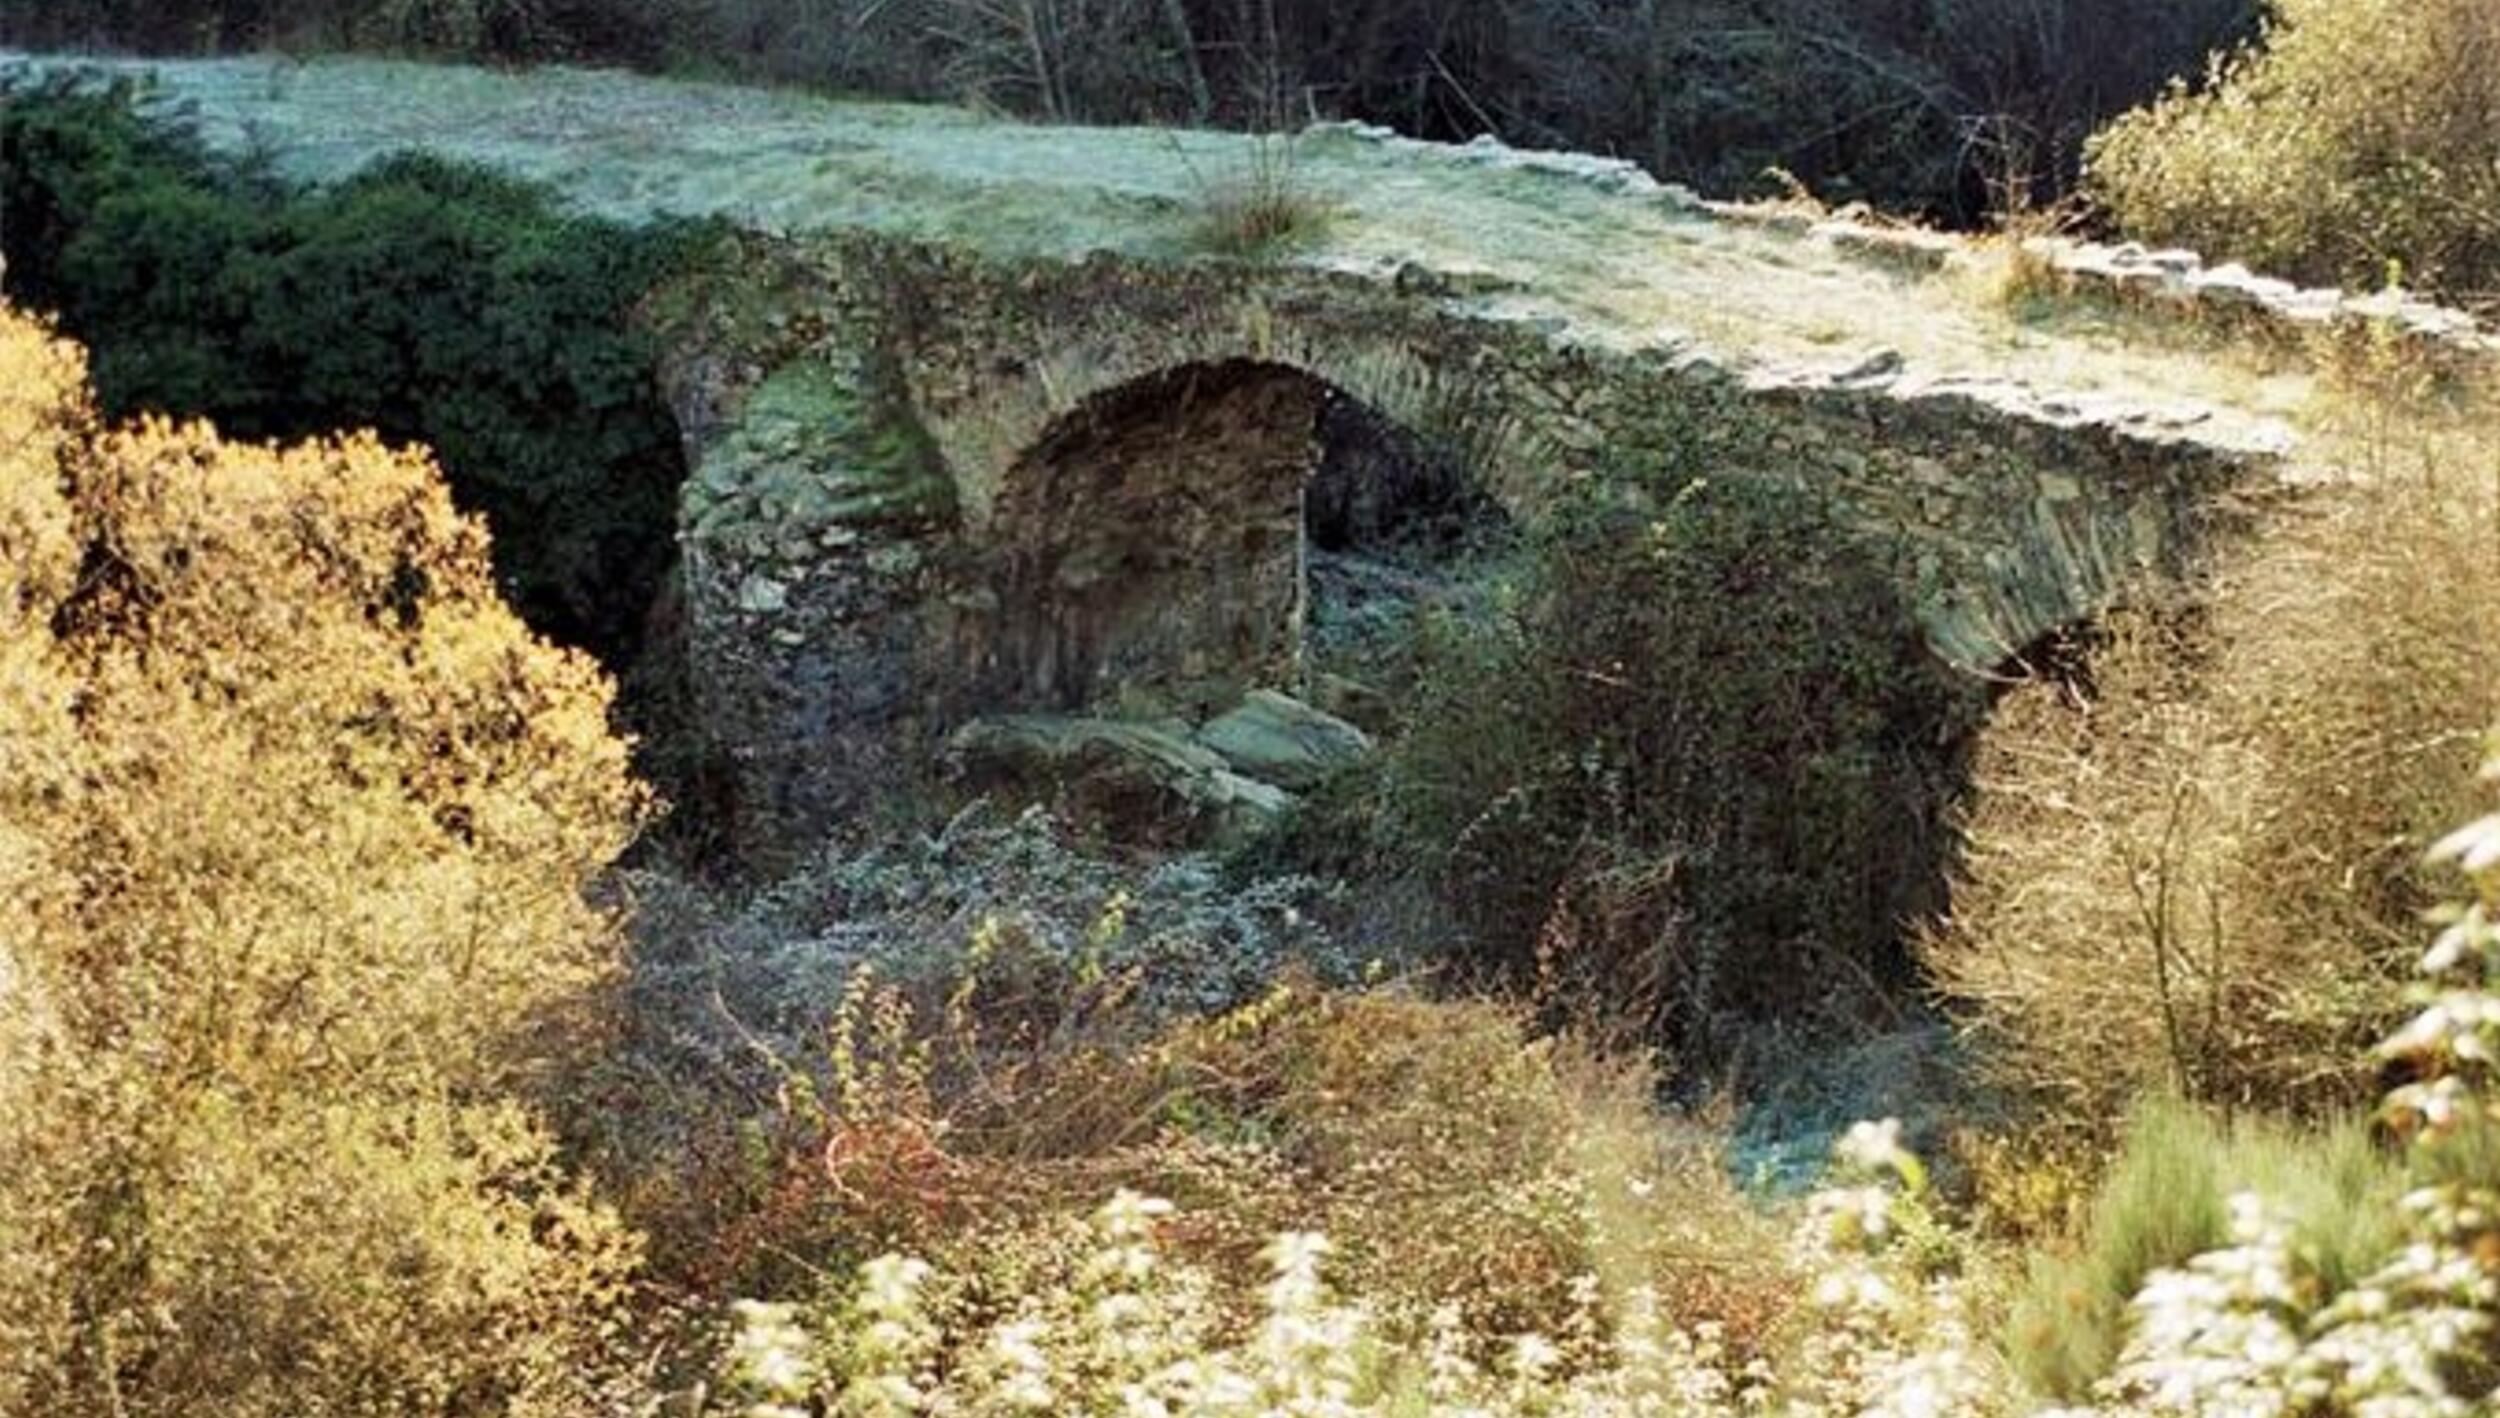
x=1598 y=250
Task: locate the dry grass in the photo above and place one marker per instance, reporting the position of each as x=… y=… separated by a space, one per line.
x=2197 y=866
x=1264 y=207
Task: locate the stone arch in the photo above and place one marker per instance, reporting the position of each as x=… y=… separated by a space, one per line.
x=1480 y=383
x=1149 y=551
x=855 y=570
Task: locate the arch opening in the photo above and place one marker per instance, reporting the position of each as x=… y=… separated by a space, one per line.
x=1159 y=551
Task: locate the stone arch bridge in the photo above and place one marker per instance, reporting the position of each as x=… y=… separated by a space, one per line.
x=975 y=423
x=929 y=485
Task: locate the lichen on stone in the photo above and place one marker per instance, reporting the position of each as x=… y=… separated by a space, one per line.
x=810 y=457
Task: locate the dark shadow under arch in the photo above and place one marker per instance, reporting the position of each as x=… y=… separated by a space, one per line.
x=1150 y=553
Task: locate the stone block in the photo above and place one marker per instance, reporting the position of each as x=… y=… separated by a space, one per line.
x=1144 y=782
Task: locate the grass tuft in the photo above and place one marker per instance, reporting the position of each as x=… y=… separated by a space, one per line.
x=2166 y=1199
x=1265 y=207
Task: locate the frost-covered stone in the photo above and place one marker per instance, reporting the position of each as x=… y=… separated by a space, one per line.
x=1136 y=781
x=762 y=595
x=1281 y=740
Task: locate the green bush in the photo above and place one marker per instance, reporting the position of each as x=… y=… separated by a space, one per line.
x=1690 y=769
x=2360 y=134
x=2166 y=1199
x=430 y=302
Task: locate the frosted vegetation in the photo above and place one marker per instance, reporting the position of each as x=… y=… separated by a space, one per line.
x=367 y=1047
x=1623 y=260
x=2378 y=1300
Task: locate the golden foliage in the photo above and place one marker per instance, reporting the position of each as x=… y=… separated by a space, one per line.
x=295 y=824
x=2362 y=132
x=1455 y=1160
x=2202 y=872
x=40 y=409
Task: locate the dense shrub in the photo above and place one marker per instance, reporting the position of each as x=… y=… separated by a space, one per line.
x=2239 y=1267
x=1692 y=772
x=428 y=302
x=2361 y=135
x=733 y=983
x=2243 y=1267
x=1018 y=1024
x=1909 y=105
x=1122 y=1313
x=2200 y=869
x=1465 y=1171
x=295 y=824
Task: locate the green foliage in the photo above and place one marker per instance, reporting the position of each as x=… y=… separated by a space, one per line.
x=2167 y=1198
x=1690 y=767
x=2362 y=136
x=430 y=302
x=66 y=147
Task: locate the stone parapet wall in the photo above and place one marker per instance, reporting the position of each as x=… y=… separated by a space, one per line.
x=2177 y=281
x=2173 y=282
x=2182 y=281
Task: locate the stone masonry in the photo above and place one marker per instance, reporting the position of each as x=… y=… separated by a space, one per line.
x=930 y=485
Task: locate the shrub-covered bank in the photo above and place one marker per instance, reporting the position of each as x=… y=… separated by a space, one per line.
x=428 y=302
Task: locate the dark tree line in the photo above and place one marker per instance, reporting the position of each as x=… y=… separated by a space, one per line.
x=1926 y=105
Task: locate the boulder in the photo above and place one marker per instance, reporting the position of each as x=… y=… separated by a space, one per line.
x=1141 y=781
x=1277 y=739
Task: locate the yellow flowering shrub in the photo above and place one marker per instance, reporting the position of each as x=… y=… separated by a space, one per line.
x=295 y=824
